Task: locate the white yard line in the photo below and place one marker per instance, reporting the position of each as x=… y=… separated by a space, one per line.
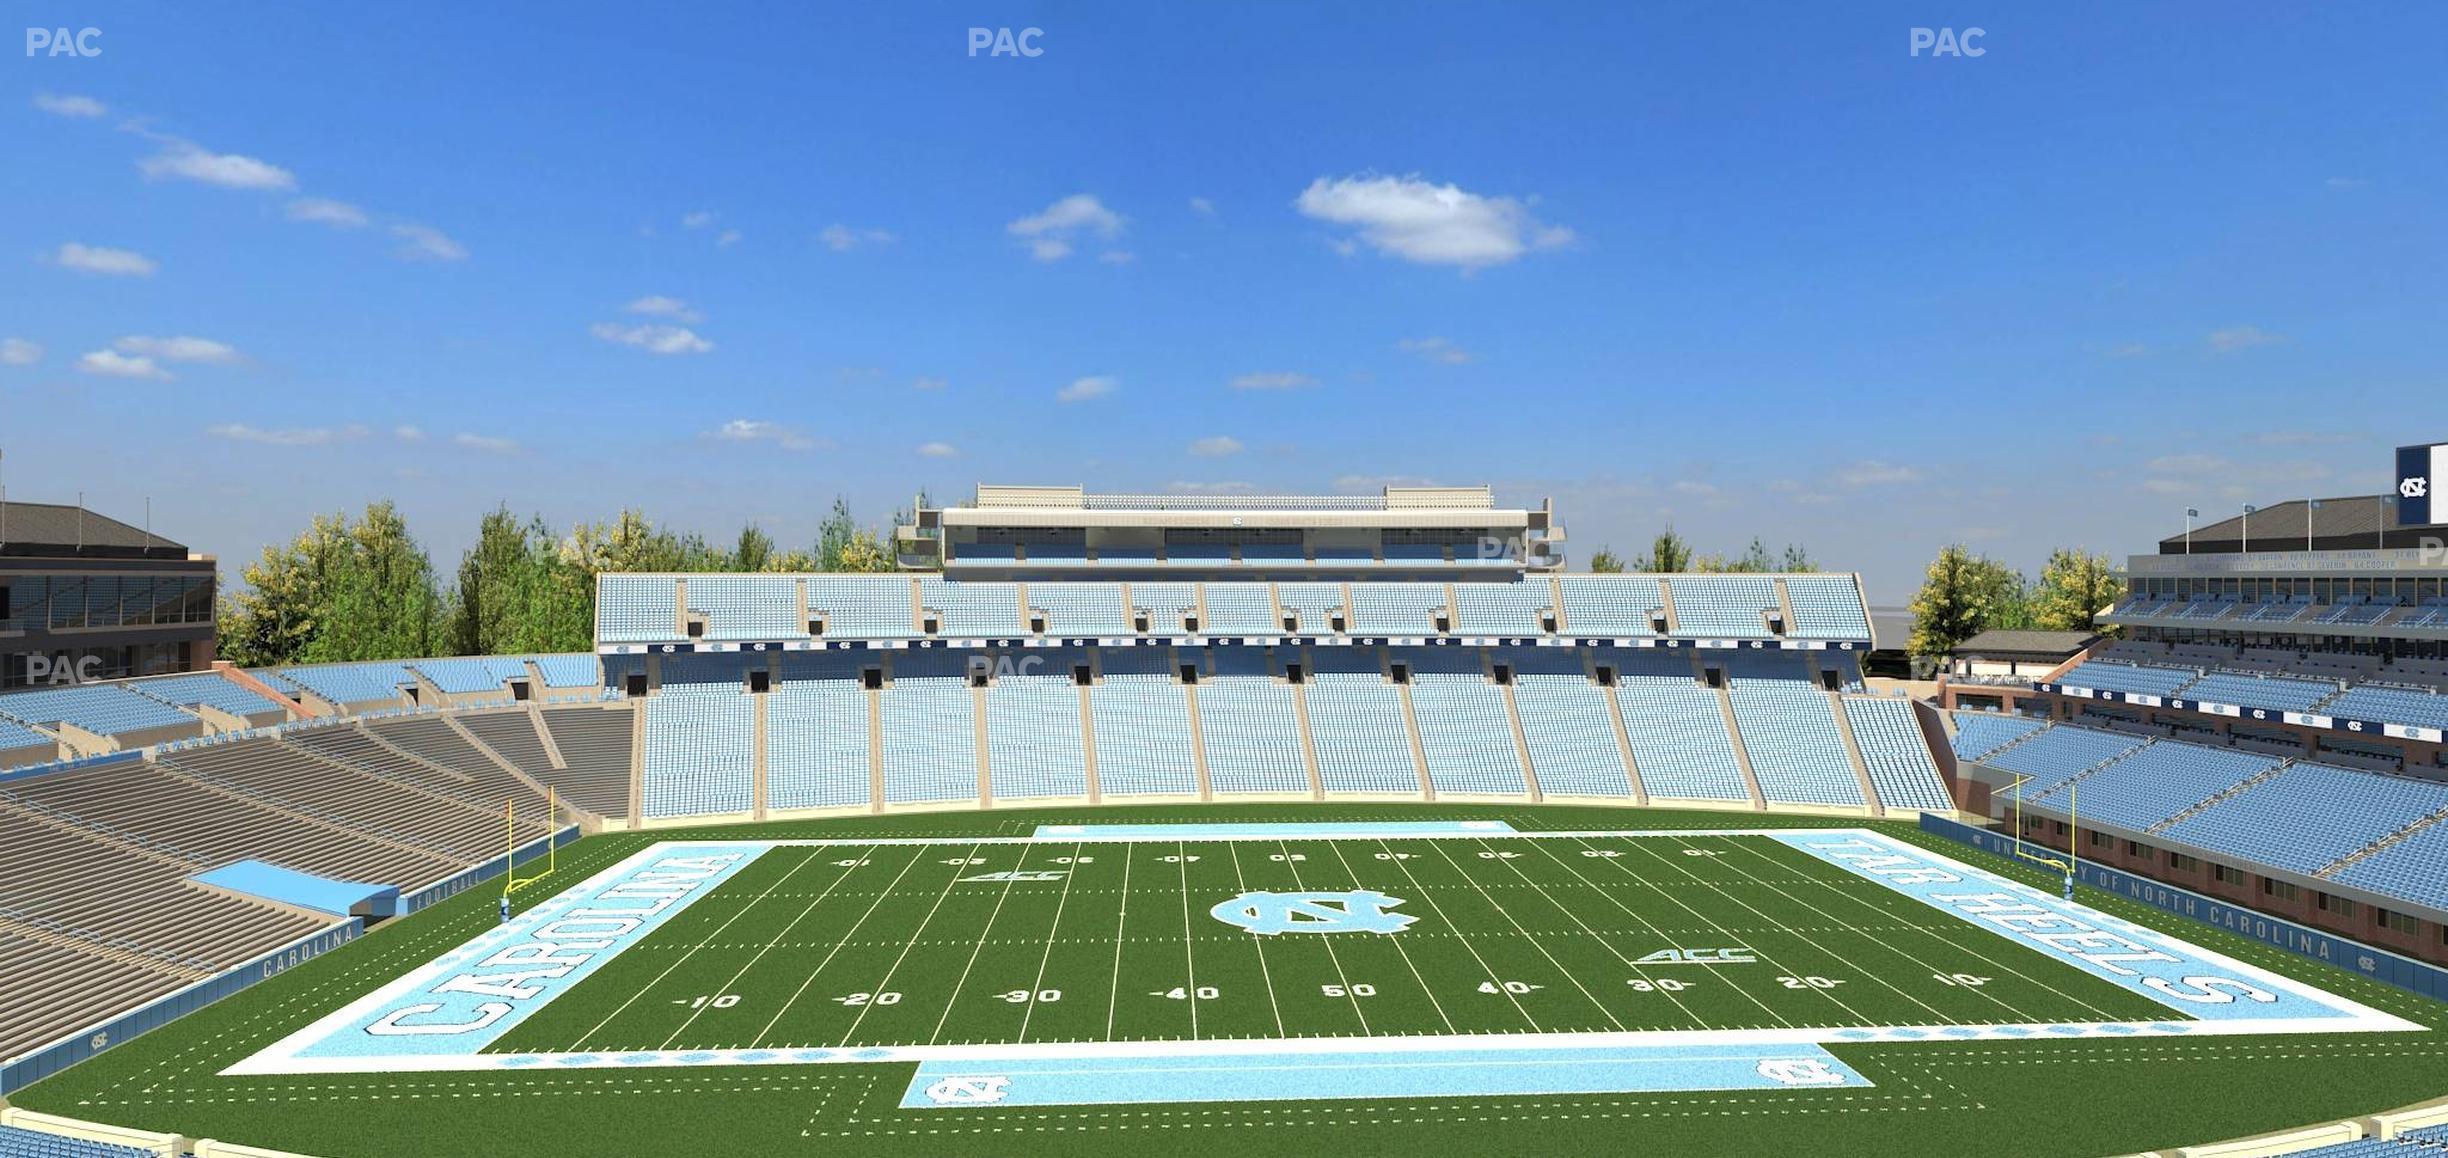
x=1467 y=947
x=1650 y=925
x=1259 y=943
x=884 y=985
x=1493 y=903
x=984 y=931
x=1830 y=994
x=1425 y=988
x=1594 y=935
x=684 y=957
x=847 y=934
x=1333 y=958
x=768 y=947
x=1052 y=931
x=2020 y=1014
x=1181 y=853
x=1113 y=997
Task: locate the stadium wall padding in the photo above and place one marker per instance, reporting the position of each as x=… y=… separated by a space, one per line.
x=20 y=1072
x=2327 y=948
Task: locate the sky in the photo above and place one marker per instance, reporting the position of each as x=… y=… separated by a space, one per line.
x=1756 y=270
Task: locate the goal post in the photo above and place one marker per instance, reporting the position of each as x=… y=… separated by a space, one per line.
x=511 y=881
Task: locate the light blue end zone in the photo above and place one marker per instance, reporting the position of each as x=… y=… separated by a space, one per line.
x=468 y=998
x=1289 y=830
x=1101 y=1081
x=2178 y=975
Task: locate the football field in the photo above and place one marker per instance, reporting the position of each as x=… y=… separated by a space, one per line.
x=969 y=943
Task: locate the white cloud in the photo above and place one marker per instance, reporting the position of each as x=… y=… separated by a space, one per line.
x=1202 y=206
x=307 y=436
x=1117 y=257
x=1050 y=234
x=1273 y=380
x=63 y=105
x=1873 y=472
x=426 y=243
x=325 y=211
x=112 y=364
x=1688 y=487
x=938 y=450
x=180 y=349
x=660 y=306
x=1409 y=218
x=19 y=352
x=408 y=433
x=758 y=430
x=1220 y=446
x=2236 y=338
x=699 y=219
x=486 y=443
x=188 y=161
x=727 y=238
x=2187 y=464
x=929 y=384
x=1211 y=488
x=105 y=261
x=1438 y=350
x=1085 y=389
x=653 y=339
x=841 y=238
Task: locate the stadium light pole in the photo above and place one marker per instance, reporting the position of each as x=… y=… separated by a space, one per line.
x=2248 y=510
x=2379 y=533
x=2310 y=505
x=2191 y=513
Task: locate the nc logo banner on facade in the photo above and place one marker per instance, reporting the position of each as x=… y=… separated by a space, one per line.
x=1360 y=911
x=2419 y=469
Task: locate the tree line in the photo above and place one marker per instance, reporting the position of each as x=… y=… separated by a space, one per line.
x=364 y=589
x=1671 y=552
x=1965 y=594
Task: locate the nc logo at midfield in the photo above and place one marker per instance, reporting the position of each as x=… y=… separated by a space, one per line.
x=1267 y=914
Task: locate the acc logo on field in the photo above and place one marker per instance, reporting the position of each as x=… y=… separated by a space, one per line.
x=1800 y=1072
x=965 y=1090
x=1735 y=956
x=1037 y=875
x=1266 y=914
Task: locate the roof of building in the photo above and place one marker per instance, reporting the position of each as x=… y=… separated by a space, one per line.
x=2281 y=526
x=2059 y=644
x=58 y=529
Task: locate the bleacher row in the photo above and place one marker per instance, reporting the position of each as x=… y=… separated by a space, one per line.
x=97 y=912
x=2385 y=694
x=167 y=709
x=659 y=608
x=2297 y=610
x=2369 y=830
x=831 y=742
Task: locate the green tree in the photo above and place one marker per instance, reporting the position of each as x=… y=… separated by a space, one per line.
x=834 y=534
x=754 y=550
x=2005 y=595
x=2075 y=587
x=1755 y=558
x=1948 y=609
x=1797 y=560
x=1606 y=562
x=1668 y=552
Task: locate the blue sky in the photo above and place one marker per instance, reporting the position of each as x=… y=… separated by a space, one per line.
x=1748 y=271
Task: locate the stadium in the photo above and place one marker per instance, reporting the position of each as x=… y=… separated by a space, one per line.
x=924 y=581
x=1115 y=820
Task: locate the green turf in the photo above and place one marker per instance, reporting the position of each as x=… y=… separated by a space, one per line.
x=1565 y=923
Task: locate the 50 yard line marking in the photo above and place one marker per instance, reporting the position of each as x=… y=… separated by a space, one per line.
x=1405 y=954
x=1332 y=957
